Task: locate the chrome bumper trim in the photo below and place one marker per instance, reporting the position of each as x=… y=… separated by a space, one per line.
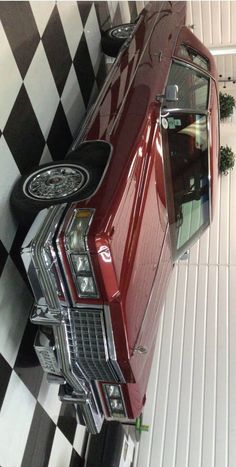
x=39 y=241
x=55 y=379
x=92 y=417
x=86 y=408
x=41 y=315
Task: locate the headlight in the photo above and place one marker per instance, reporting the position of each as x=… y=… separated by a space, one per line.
x=112 y=390
x=86 y=285
x=78 y=254
x=81 y=263
x=75 y=237
x=116 y=405
x=115 y=400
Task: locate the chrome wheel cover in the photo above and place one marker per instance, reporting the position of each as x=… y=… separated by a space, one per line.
x=123 y=32
x=55 y=182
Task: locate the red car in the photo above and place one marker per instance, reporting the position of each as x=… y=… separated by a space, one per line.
x=136 y=189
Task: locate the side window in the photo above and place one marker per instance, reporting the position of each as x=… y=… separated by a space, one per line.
x=193 y=87
x=193 y=56
x=185 y=137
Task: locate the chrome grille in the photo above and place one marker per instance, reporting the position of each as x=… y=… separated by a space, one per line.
x=88 y=345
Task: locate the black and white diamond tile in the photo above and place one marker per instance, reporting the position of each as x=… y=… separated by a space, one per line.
x=21 y=31
x=84 y=69
x=11 y=80
x=93 y=38
x=42 y=91
x=57 y=50
x=23 y=134
x=16 y=417
x=51 y=68
x=5 y=371
x=8 y=174
x=72 y=102
x=40 y=439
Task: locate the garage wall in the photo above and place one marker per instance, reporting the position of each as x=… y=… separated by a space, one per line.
x=51 y=68
x=191 y=396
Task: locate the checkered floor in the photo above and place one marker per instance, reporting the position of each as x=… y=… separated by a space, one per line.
x=51 y=68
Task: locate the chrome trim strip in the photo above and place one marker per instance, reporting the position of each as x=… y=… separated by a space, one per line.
x=194 y=67
x=92 y=416
x=209 y=168
x=55 y=379
x=37 y=242
x=111 y=343
x=46 y=241
x=42 y=315
x=33 y=231
x=97 y=306
x=183 y=110
x=63 y=346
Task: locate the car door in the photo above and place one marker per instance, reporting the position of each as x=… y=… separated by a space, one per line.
x=185 y=136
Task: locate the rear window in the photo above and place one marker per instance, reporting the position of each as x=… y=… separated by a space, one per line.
x=193 y=56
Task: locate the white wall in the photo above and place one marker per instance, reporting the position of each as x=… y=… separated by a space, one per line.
x=228 y=134
x=191 y=399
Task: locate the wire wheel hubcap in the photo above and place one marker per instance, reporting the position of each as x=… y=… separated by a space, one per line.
x=123 y=32
x=55 y=182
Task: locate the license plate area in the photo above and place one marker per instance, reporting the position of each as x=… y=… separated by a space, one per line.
x=46 y=354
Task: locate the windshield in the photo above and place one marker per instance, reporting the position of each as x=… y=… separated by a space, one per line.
x=185 y=143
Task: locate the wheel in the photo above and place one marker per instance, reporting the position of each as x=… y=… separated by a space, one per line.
x=50 y=184
x=115 y=37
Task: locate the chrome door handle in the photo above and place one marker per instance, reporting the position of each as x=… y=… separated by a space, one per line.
x=140 y=349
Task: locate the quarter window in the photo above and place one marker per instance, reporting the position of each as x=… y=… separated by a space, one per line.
x=193 y=56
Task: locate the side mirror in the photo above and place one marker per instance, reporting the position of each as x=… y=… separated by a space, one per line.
x=171 y=94
x=185 y=256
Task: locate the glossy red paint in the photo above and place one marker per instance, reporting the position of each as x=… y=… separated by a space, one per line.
x=129 y=232
x=129 y=238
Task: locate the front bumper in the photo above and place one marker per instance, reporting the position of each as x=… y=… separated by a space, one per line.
x=55 y=358
x=74 y=344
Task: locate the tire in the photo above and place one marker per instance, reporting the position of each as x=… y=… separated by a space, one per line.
x=115 y=37
x=50 y=184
